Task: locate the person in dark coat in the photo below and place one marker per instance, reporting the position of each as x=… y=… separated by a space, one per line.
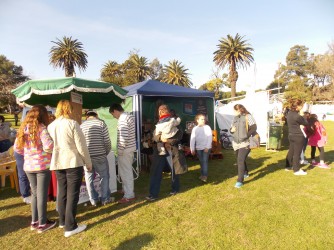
x=175 y=160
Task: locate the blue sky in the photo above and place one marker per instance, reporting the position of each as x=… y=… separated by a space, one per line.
x=188 y=31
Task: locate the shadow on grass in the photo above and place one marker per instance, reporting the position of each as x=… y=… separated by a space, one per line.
x=137 y=242
x=13 y=223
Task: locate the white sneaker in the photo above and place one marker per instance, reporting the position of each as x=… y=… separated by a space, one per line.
x=300 y=172
x=304 y=162
x=79 y=229
x=27 y=200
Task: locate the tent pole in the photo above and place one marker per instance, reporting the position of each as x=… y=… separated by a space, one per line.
x=214 y=114
x=137 y=108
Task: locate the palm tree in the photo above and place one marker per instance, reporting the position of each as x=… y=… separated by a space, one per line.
x=112 y=72
x=67 y=54
x=234 y=52
x=176 y=74
x=140 y=67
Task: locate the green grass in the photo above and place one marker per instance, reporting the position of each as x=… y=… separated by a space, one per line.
x=273 y=210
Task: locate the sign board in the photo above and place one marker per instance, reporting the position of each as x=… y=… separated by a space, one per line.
x=76 y=98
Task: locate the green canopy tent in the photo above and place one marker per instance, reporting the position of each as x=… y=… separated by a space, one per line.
x=95 y=94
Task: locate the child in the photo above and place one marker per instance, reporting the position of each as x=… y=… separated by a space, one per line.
x=166 y=126
x=201 y=142
x=317 y=138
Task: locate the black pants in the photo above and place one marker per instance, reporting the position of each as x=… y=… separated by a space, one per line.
x=321 y=151
x=242 y=154
x=69 y=183
x=295 y=149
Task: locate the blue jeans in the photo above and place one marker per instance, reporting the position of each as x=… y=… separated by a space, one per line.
x=157 y=167
x=40 y=181
x=203 y=160
x=24 y=183
x=101 y=167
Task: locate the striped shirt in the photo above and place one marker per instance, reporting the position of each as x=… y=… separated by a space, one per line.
x=126 y=133
x=97 y=137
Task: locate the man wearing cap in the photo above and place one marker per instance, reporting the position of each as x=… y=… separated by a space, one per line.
x=126 y=146
x=99 y=145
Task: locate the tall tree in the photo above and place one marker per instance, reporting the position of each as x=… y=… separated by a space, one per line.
x=139 y=67
x=112 y=72
x=68 y=54
x=233 y=52
x=11 y=76
x=156 y=72
x=176 y=74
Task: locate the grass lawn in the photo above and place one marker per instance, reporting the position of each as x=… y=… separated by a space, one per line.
x=273 y=210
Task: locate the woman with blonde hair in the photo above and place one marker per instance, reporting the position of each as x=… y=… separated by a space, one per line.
x=70 y=155
x=34 y=142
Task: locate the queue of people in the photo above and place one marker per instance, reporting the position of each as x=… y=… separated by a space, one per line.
x=74 y=151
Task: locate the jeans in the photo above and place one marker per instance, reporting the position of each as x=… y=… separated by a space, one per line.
x=101 y=167
x=242 y=154
x=39 y=181
x=295 y=149
x=69 y=183
x=126 y=173
x=203 y=160
x=23 y=179
x=157 y=167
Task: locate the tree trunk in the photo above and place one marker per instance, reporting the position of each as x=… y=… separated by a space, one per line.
x=233 y=77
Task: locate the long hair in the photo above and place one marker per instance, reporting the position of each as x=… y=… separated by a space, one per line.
x=241 y=109
x=64 y=108
x=312 y=124
x=37 y=115
x=295 y=103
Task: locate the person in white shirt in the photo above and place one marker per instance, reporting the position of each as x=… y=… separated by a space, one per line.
x=200 y=143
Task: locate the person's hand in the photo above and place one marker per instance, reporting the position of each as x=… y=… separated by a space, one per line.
x=206 y=150
x=193 y=152
x=88 y=168
x=233 y=129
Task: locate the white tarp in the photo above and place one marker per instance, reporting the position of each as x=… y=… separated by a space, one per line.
x=257 y=104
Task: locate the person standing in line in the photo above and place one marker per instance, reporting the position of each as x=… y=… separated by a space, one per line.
x=296 y=137
x=201 y=143
x=69 y=156
x=24 y=183
x=126 y=146
x=5 y=143
x=34 y=142
x=99 y=146
x=317 y=139
x=174 y=160
x=306 y=116
x=240 y=143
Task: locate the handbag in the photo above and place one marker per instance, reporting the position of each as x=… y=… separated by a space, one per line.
x=254 y=140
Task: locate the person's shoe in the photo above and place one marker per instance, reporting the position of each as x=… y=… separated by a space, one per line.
x=48 y=225
x=238 y=184
x=304 y=162
x=79 y=229
x=204 y=178
x=126 y=200
x=27 y=200
x=300 y=172
x=314 y=163
x=93 y=203
x=150 y=198
x=173 y=193
x=61 y=226
x=246 y=176
x=323 y=165
x=34 y=226
x=106 y=202
x=288 y=169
